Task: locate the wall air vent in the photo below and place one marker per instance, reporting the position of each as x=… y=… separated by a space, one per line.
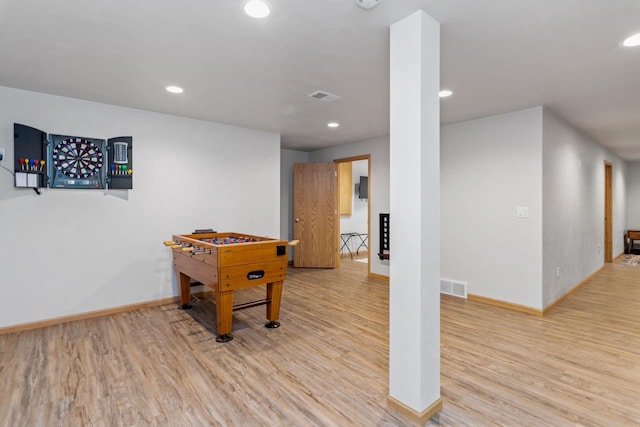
x=323 y=96
x=450 y=287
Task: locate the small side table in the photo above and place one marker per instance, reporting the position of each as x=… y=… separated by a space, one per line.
x=629 y=238
x=346 y=237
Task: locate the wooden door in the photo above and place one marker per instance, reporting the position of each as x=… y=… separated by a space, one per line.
x=608 y=212
x=315 y=215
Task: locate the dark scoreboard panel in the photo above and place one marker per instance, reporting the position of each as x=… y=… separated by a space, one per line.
x=66 y=161
x=120 y=162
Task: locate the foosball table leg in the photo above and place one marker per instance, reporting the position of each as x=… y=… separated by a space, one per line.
x=274 y=295
x=185 y=292
x=224 y=338
x=224 y=315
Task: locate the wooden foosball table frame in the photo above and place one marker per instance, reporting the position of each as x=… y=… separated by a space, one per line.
x=230 y=267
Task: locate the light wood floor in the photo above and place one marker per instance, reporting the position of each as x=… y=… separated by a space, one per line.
x=328 y=363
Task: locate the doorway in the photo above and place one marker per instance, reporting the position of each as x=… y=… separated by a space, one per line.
x=608 y=212
x=354 y=207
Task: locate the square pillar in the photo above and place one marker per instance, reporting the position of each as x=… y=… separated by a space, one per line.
x=414 y=299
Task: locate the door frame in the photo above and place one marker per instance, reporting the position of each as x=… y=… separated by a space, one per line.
x=608 y=212
x=366 y=157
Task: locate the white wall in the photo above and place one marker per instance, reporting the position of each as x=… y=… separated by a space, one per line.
x=489 y=167
x=378 y=148
x=573 y=239
x=287 y=159
x=357 y=222
x=633 y=195
x=74 y=251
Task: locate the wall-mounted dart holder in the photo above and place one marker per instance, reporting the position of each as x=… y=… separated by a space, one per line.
x=64 y=161
x=30 y=154
x=120 y=163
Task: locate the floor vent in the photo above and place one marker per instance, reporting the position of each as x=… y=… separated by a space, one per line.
x=450 y=287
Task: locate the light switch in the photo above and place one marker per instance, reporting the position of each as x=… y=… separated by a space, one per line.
x=522 y=212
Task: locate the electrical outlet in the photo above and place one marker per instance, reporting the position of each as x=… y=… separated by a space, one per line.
x=1 y=154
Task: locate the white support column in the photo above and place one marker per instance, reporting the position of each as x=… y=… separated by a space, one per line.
x=414 y=305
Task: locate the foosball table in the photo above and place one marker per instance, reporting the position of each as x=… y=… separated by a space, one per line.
x=227 y=262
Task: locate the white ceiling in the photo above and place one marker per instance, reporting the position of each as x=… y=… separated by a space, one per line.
x=497 y=56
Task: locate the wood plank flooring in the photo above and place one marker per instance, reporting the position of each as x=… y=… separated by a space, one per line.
x=578 y=365
x=328 y=363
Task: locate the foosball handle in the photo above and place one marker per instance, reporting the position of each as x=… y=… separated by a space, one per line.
x=294 y=242
x=172 y=244
x=187 y=249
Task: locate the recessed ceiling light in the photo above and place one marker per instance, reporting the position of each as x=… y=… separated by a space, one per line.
x=174 y=89
x=333 y=124
x=257 y=9
x=367 y=4
x=445 y=93
x=632 y=41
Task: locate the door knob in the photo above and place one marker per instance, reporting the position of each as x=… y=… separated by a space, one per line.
x=298 y=220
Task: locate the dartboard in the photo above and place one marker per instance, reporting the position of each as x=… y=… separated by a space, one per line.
x=77 y=158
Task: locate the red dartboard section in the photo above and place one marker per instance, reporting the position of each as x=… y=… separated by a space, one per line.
x=77 y=158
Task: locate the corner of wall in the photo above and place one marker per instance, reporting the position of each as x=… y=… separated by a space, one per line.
x=489 y=168
x=573 y=205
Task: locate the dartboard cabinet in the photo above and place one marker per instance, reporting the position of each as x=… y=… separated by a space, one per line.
x=65 y=161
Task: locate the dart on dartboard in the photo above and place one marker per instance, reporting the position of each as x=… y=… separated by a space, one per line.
x=41 y=165
x=21 y=163
x=33 y=164
x=130 y=171
x=26 y=163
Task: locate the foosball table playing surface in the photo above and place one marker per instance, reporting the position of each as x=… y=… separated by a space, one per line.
x=227 y=262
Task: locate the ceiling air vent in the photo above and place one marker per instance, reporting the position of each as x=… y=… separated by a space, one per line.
x=323 y=96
